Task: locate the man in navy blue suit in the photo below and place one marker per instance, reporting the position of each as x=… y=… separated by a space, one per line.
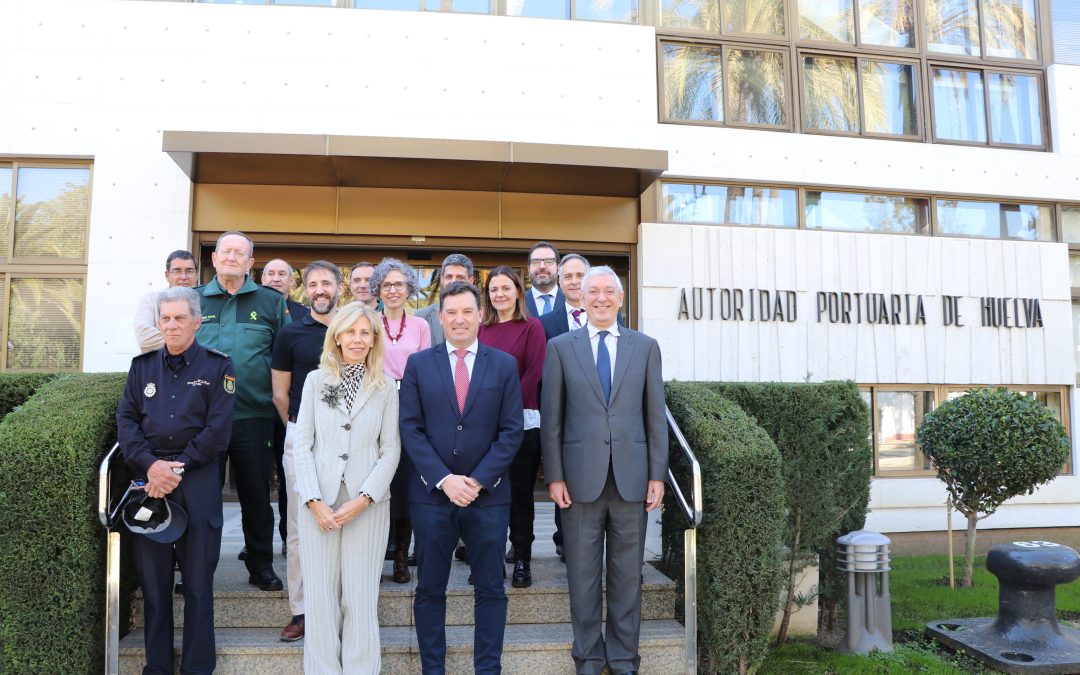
x=461 y=423
x=173 y=422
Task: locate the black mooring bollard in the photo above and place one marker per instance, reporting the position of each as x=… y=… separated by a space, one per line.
x=1025 y=636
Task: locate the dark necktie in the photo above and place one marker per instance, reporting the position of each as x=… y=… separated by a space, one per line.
x=577 y=316
x=603 y=365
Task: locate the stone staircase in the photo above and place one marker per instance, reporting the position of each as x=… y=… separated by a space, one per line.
x=538 y=632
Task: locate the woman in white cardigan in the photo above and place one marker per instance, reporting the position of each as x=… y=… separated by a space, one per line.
x=346 y=449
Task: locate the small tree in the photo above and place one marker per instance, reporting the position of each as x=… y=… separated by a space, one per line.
x=989 y=446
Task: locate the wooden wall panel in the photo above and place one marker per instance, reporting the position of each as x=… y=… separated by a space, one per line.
x=569 y=217
x=433 y=213
x=264 y=208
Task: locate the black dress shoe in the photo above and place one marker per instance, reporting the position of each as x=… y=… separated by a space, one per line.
x=522 y=575
x=461 y=554
x=412 y=560
x=284 y=550
x=509 y=557
x=265 y=580
x=179 y=588
x=559 y=552
x=242 y=555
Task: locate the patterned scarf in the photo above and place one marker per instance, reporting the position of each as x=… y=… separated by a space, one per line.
x=352 y=378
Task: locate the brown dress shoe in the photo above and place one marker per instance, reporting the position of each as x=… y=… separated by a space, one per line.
x=402 y=536
x=295 y=630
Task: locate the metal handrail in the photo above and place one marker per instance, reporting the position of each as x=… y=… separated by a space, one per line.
x=112 y=564
x=693 y=514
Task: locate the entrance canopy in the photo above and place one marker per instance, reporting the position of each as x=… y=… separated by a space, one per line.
x=413 y=163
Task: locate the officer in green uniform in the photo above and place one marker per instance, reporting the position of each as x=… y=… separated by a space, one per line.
x=241 y=319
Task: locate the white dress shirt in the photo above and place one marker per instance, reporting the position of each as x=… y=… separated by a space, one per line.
x=470 y=358
x=611 y=341
x=537 y=294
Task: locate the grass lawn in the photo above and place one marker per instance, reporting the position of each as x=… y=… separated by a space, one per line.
x=920 y=594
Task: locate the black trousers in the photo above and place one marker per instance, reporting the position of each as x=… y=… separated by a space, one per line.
x=197 y=551
x=522 y=483
x=282 y=493
x=252 y=454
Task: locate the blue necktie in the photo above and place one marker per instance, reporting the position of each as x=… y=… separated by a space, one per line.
x=603 y=365
x=547 y=304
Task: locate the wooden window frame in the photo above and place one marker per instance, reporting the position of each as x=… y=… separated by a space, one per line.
x=984 y=72
x=37 y=267
x=725 y=46
x=941 y=393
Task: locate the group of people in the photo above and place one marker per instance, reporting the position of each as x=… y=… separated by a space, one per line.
x=392 y=428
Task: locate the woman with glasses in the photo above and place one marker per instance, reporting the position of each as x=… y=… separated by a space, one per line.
x=394 y=282
x=506 y=326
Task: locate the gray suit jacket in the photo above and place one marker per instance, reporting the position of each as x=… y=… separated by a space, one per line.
x=331 y=443
x=582 y=434
x=431 y=315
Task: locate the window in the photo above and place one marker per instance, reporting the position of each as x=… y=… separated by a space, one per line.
x=622 y=11
x=1008 y=28
x=729 y=205
x=887 y=24
x=1070 y=232
x=1031 y=222
x=896 y=411
x=866 y=212
x=734 y=85
x=895 y=414
x=962 y=101
x=851 y=95
x=44 y=222
x=540 y=9
x=748 y=17
x=818 y=208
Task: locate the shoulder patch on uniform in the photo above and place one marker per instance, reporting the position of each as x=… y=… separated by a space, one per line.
x=218 y=353
x=230 y=384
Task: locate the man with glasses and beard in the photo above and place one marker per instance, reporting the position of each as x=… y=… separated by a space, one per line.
x=297 y=350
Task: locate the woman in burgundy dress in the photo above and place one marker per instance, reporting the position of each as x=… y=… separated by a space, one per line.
x=506 y=326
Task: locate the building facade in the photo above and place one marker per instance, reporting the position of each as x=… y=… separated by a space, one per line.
x=885 y=191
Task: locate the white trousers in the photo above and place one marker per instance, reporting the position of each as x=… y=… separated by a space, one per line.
x=292 y=528
x=342 y=571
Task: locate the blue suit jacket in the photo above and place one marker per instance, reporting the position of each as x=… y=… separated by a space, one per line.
x=480 y=442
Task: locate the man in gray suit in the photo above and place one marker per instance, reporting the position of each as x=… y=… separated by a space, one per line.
x=605 y=447
x=455 y=267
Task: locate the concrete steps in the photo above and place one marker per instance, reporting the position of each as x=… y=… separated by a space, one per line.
x=538 y=632
x=238 y=604
x=528 y=649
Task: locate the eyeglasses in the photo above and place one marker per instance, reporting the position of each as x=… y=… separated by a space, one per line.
x=392 y=285
x=542 y=261
x=190 y=272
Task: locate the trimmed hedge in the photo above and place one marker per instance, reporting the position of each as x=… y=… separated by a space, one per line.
x=51 y=543
x=822 y=431
x=741 y=535
x=16 y=388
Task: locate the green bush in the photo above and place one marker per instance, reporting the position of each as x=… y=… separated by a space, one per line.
x=52 y=556
x=822 y=432
x=16 y=388
x=990 y=445
x=741 y=535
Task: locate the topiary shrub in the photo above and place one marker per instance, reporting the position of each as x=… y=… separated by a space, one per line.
x=51 y=543
x=822 y=432
x=16 y=388
x=740 y=537
x=990 y=445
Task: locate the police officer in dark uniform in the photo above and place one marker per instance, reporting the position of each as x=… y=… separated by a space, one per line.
x=174 y=420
